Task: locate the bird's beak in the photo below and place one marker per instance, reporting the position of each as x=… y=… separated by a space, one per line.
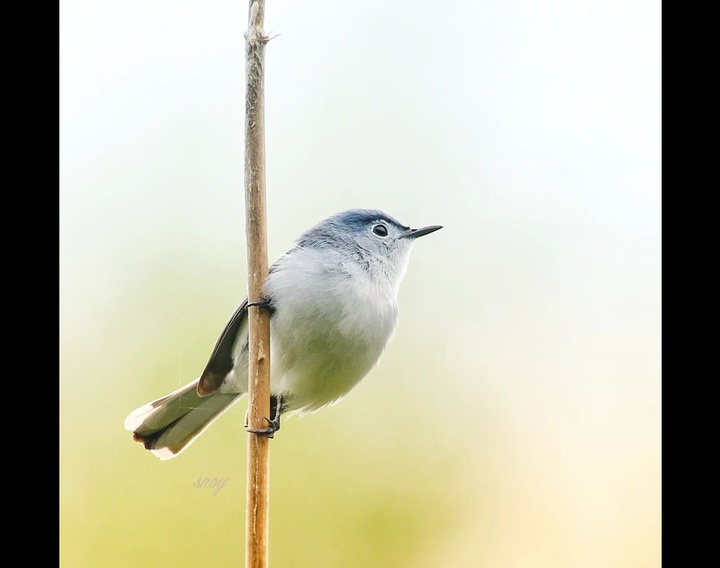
x=415 y=233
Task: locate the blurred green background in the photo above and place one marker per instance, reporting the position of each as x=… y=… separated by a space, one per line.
x=514 y=420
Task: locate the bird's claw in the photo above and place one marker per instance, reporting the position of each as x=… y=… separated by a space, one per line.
x=273 y=425
x=269 y=432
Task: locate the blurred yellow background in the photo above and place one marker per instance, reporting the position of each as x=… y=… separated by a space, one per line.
x=514 y=421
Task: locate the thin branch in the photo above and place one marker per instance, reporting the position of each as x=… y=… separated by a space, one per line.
x=258 y=472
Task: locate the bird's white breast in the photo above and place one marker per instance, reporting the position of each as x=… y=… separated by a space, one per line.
x=331 y=323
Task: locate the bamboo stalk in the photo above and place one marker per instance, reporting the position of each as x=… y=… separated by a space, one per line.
x=258 y=466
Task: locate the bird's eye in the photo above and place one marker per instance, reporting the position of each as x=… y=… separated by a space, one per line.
x=380 y=230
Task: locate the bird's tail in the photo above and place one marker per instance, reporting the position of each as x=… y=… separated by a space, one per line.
x=168 y=425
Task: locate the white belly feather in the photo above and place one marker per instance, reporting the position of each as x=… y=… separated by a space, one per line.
x=324 y=340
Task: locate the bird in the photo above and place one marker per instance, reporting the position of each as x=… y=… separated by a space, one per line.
x=333 y=302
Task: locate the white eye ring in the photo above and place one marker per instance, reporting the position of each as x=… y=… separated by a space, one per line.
x=380 y=230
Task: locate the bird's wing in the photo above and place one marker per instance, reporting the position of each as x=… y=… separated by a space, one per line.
x=221 y=361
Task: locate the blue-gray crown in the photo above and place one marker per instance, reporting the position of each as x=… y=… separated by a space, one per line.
x=344 y=223
x=361 y=218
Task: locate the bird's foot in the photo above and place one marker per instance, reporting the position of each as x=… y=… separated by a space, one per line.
x=273 y=424
x=262 y=303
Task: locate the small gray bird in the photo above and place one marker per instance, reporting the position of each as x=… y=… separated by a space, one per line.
x=333 y=305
